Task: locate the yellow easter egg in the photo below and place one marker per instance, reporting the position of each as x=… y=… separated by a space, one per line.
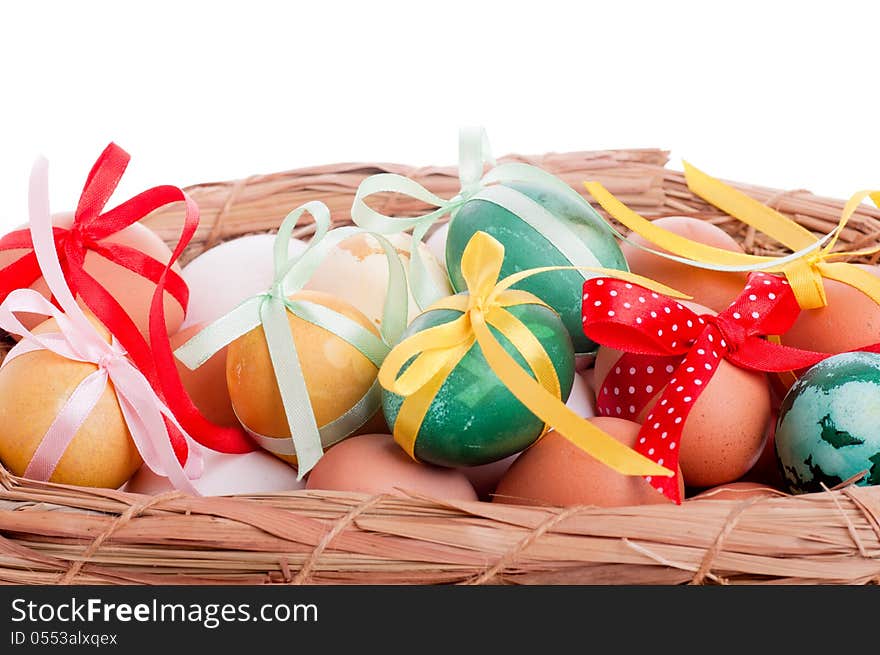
x=357 y=271
x=34 y=387
x=337 y=375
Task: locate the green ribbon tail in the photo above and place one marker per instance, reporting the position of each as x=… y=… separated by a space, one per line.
x=292 y=385
x=220 y=334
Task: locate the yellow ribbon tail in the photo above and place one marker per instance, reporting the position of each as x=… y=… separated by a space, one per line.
x=864 y=281
x=552 y=411
x=528 y=346
x=747 y=209
x=673 y=243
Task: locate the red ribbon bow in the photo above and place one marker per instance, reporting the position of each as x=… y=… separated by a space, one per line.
x=90 y=227
x=668 y=345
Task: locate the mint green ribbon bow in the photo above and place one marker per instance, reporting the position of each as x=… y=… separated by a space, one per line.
x=269 y=310
x=473 y=157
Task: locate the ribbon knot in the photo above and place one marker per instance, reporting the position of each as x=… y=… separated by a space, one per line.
x=732 y=334
x=672 y=351
x=434 y=353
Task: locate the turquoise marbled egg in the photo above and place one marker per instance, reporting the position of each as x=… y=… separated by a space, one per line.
x=526 y=248
x=829 y=424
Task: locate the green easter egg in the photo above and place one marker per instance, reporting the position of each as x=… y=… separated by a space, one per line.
x=474 y=419
x=829 y=424
x=526 y=248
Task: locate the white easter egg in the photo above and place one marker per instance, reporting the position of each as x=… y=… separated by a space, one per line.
x=222 y=277
x=582 y=401
x=437 y=243
x=357 y=271
x=248 y=473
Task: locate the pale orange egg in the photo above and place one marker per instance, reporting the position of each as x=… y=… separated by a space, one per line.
x=850 y=321
x=724 y=433
x=556 y=472
x=374 y=464
x=337 y=375
x=34 y=387
x=714 y=289
x=206 y=385
x=132 y=291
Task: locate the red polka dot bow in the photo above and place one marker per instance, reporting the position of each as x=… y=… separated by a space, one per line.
x=666 y=344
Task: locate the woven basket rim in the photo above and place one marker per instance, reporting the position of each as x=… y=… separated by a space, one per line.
x=54 y=533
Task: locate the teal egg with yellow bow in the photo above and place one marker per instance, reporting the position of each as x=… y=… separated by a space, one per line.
x=473 y=418
x=829 y=424
x=580 y=237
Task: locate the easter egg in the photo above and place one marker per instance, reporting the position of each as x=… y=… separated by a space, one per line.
x=336 y=374
x=726 y=429
x=373 y=464
x=474 y=419
x=556 y=472
x=222 y=277
x=713 y=289
x=527 y=248
x=829 y=424
x=436 y=243
x=226 y=474
x=34 y=388
x=206 y=385
x=356 y=271
x=850 y=320
x=132 y=291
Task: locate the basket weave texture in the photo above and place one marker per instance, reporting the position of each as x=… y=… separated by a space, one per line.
x=51 y=534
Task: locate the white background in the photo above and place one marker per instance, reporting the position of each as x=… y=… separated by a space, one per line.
x=783 y=94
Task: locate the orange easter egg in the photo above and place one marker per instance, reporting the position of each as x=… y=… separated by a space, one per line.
x=130 y=290
x=206 y=385
x=850 y=320
x=34 y=387
x=714 y=289
x=374 y=464
x=556 y=472
x=725 y=431
x=337 y=375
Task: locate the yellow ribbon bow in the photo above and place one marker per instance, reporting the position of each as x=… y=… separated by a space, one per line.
x=804 y=269
x=438 y=350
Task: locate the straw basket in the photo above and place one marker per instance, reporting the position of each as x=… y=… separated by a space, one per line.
x=53 y=534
